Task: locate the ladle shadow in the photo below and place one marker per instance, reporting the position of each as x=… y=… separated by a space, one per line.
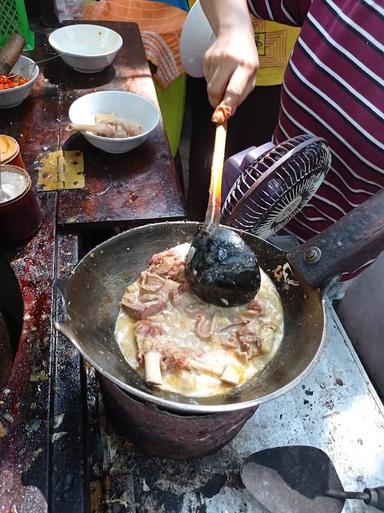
x=59 y=73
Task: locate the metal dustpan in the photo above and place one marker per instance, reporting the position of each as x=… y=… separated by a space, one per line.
x=300 y=479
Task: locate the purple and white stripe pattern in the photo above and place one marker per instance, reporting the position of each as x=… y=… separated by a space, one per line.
x=334 y=88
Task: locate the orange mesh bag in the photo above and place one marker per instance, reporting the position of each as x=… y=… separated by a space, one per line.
x=160 y=27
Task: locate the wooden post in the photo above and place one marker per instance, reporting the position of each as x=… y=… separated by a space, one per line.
x=10 y=53
x=48 y=12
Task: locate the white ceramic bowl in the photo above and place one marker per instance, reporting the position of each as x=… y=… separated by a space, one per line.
x=126 y=106
x=86 y=48
x=27 y=68
x=196 y=37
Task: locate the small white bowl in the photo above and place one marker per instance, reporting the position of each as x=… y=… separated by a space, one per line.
x=196 y=37
x=27 y=68
x=126 y=106
x=86 y=48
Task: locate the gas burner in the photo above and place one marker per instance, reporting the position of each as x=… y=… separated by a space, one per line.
x=275 y=185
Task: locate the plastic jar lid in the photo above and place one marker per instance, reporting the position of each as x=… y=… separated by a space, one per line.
x=9 y=148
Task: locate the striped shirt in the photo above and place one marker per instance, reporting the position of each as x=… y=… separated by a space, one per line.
x=334 y=88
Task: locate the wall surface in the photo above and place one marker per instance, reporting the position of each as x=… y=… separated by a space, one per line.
x=362 y=314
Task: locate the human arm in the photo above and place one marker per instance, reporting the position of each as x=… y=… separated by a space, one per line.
x=230 y=64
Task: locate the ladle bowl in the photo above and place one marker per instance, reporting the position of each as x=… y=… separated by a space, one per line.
x=222 y=269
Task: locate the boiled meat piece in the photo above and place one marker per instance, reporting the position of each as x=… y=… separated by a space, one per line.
x=140 y=309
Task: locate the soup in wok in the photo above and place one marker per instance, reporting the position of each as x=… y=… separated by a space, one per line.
x=180 y=344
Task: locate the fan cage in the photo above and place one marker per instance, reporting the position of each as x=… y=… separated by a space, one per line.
x=255 y=201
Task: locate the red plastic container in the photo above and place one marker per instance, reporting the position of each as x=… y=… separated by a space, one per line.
x=20 y=214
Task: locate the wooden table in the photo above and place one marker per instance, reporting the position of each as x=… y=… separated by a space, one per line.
x=128 y=188
x=121 y=191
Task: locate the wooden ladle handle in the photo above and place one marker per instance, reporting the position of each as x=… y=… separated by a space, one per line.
x=213 y=214
x=74 y=127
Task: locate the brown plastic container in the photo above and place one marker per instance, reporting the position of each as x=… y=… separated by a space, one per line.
x=20 y=214
x=10 y=151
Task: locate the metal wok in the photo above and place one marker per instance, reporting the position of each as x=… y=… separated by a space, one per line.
x=93 y=292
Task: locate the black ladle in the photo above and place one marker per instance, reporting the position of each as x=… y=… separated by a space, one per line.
x=300 y=479
x=221 y=268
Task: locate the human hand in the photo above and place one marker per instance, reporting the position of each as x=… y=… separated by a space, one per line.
x=230 y=67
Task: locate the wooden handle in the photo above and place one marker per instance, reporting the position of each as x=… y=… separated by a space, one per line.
x=212 y=217
x=108 y=129
x=10 y=53
x=376 y=497
x=102 y=129
x=73 y=127
x=345 y=246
